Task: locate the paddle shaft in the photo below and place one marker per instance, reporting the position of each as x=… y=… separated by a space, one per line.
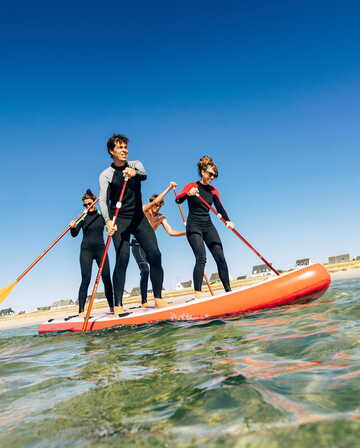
x=103 y=259
x=237 y=234
x=184 y=222
x=54 y=242
x=181 y=209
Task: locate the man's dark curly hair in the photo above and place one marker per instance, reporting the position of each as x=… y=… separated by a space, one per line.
x=116 y=138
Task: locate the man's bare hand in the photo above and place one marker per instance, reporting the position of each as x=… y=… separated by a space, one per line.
x=129 y=172
x=72 y=224
x=110 y=228
x=230 y=225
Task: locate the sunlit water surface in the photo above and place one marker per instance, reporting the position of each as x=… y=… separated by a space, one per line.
x=288 y=376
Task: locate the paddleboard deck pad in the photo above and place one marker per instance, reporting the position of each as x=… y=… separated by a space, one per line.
x=301 y=285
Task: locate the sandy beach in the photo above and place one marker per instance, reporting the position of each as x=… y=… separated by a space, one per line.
x=343 y=274
x=35 y=318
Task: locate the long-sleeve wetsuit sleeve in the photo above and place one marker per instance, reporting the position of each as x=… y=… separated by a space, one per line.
x=181 y=197
x=75 y=230
x=219 y=207
x=104 y=181
x=139 y=167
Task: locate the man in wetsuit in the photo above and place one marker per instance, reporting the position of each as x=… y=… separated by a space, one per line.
x=131 y=219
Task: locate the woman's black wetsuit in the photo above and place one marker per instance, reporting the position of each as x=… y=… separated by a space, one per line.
x=92 y=248
x=200 y=229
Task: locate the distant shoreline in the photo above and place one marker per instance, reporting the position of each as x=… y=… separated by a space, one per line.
x=344 y=274
x=337 y=272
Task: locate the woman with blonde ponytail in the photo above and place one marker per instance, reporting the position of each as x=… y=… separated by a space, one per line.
x=199 y=227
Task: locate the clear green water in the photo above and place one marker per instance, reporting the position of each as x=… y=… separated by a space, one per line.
x=283 y=377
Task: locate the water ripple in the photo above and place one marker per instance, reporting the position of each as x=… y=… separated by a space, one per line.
x=286 y=376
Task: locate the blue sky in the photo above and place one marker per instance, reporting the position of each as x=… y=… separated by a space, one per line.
x=270 y=90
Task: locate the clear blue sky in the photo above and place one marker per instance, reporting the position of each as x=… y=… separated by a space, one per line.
x=271 y=90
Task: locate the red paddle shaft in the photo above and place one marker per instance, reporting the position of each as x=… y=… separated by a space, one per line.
x=181 y=210
x=54 y=242
x=238 y=234
x=103 y=259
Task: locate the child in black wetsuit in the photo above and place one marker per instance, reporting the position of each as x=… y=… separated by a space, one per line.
x=92 y=248
x=199 y=227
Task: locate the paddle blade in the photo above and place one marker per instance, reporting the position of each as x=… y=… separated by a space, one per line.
x=6 y=291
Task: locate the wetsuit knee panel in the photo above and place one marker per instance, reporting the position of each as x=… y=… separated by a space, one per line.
x=144 y=268
x=200 y=259
x=154 y=256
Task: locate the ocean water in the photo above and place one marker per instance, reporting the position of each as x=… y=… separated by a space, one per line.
x=289 y=376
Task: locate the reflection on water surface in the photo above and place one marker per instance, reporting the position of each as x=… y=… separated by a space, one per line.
x=287 y=376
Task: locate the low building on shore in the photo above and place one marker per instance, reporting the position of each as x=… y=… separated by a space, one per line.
x=7 y=312
x=302 y=262
x=100 y=297
x=335 y=259
x=135 y=291
x=241 y=277
x=214 y=277
x=260 y=269
x=63 y=303
x=43 y=308
x=184 y=285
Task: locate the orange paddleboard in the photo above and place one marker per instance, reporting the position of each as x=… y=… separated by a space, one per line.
x=303 y=284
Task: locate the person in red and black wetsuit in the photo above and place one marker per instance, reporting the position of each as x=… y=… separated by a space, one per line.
x=92 y=248
x=199 y=227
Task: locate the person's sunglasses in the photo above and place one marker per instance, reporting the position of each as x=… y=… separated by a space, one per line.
x=210 y=173
x=87 y=204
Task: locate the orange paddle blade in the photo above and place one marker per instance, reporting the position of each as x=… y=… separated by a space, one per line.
x=4 y=292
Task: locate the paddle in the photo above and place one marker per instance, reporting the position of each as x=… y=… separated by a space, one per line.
x=4 y=292
x=181 y=209
x=103 y=259
x=184 y=222
x=237 y=234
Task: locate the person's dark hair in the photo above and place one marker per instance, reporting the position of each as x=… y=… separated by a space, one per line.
x=153 y=197
x=207 y=162
x=116 y=138
x=88 y=195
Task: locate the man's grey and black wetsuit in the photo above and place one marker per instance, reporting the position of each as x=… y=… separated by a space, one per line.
x=200 y=229
x=131 y=221
x=92 y=248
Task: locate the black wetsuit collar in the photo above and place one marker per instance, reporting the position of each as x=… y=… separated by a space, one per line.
x=120 y=167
